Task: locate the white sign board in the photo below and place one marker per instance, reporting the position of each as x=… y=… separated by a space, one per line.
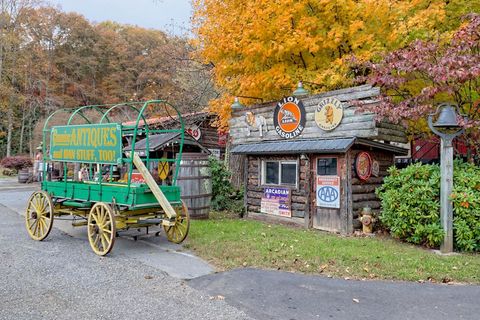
x=328 y=191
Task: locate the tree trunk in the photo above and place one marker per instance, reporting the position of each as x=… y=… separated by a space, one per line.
x=22 y=130
x=9 y=131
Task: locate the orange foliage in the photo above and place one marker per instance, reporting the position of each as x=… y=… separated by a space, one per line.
x=262 y=48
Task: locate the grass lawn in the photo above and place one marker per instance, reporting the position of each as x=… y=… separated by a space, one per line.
x=228 y=242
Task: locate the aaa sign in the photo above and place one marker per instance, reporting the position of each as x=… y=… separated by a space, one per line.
x=328 y=191
x=98 y=143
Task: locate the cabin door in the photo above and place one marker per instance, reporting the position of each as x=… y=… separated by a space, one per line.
x=326 y=193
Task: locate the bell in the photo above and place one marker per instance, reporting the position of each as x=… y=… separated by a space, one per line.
x=447 y=118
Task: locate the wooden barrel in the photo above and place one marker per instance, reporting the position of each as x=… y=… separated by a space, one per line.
x=23 y=175
x=195 y=180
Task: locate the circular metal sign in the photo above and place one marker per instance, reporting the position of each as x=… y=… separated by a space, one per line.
x=329 y=114
x=289 y=117
x=363 y=165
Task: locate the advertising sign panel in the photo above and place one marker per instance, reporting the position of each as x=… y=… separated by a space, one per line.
x=89 y=143
x=289 y=118
x=276 y=201
x=328 y=191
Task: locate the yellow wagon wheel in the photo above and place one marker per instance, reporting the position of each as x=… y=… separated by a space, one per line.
x=178 y=232
x=101 y=228
x=39 y=215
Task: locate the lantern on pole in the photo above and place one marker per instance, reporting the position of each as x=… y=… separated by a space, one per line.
x=447 y=128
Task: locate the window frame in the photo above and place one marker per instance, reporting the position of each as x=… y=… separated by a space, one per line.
x=279 y=164
x=327 y=157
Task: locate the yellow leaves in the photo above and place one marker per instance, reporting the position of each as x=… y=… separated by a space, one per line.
x=261 y=48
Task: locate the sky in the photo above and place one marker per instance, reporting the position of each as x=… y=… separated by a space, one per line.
x=171 y=16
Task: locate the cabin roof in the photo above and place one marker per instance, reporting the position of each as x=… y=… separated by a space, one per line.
x=337 y=145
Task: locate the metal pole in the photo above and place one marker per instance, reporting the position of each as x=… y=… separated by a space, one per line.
x=446 y=186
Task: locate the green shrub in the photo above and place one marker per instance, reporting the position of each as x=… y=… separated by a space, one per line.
x=411 y=205
x=224 y=195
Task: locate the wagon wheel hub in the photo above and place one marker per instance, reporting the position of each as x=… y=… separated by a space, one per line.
x=34 y=215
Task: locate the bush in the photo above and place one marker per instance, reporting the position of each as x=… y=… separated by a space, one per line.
x=411 y=205
x=8 y=172
x=224 y=195
x=16 y=162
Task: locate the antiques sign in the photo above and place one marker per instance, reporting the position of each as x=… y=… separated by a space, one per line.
x=328 y=191
x=329 y=114
x=276 y=201
x=363 y=165
x=89 y=143
x=289 y=118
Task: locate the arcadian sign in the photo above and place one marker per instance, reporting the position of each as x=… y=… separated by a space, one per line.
x=289 y=117
x=91 y=143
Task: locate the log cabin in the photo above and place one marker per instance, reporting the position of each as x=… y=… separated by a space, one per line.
x=316 y=160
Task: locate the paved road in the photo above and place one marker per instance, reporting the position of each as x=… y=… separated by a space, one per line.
x=281 y=295
x=157 y=252
x=60 y=278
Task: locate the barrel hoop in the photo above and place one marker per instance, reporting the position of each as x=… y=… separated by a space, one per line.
x=197 y=196
x=198 y=208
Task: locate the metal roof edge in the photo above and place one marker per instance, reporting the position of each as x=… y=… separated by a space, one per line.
x=381 y=145
x=235 y=148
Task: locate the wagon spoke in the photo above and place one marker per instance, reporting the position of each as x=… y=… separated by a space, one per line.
x=107 y=238
x=104 y=243
x=97 y=238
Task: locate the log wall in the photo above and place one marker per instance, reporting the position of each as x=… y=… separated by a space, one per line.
x=363 y=192
x=254 y=189
x=354 y=124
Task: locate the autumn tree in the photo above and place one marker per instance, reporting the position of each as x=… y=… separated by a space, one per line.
x=416 y=78
x=50 y=59
x=263 y=48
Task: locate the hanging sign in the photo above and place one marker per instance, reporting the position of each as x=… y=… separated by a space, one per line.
x=163 y=169
x=289 y=118
x=276 y=201
x=89 y=143
x=194 y=131
x=363 y=165
x=328 y=191
x=329 y=114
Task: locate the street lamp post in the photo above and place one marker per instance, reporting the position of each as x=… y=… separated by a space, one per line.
x=447 y=128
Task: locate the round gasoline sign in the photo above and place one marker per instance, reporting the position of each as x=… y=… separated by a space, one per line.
x=329 y=114
x=289 y=117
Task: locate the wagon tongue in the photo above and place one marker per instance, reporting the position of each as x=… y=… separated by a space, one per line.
x=157 y=192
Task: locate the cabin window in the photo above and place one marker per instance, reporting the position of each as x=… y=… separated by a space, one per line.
x=327 y=167
x=280 y=172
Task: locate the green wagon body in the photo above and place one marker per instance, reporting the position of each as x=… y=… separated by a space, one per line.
x=107 y=206
x=137 y=196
